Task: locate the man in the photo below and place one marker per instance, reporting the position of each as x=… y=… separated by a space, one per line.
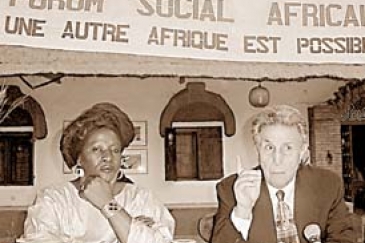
x=252 y=210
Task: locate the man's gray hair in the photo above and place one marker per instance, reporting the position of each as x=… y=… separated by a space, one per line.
x=281 y=114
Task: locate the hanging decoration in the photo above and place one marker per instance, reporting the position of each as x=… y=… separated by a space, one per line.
x=259 y=96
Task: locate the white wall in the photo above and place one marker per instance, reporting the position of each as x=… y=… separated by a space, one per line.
x=144 y=99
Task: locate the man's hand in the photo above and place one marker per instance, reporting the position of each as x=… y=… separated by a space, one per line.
x=247 y=190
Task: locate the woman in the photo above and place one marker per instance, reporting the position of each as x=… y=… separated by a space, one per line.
x=101 y=205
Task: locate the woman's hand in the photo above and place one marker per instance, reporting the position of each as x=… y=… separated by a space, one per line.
x=96 y=191
x=145 y=220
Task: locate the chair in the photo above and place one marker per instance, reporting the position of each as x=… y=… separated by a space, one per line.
x=205 y=226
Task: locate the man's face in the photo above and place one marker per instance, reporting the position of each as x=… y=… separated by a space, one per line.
x=280 y=148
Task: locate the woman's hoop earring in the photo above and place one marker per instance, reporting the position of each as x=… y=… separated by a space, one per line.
x=120 y=174
x=79 y=171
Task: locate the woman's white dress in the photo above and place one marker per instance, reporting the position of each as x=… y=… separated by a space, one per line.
x=60 y=215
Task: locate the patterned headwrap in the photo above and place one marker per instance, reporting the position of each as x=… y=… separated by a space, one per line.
x=98 y=116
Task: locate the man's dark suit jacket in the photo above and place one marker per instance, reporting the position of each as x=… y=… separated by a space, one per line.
x=318 y=199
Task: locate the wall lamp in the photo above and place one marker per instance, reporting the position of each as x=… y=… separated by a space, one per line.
x=329 y=157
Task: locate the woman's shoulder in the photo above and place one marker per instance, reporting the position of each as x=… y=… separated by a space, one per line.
x=133 y=189
x=136 y=193
x=57 y=191
x=58 y=187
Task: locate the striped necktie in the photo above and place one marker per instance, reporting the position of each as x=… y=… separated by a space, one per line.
x=286 y=229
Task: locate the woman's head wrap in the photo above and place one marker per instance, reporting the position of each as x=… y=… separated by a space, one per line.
x=101 y=115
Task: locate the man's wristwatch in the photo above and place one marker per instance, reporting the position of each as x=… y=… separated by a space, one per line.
x=110 y=208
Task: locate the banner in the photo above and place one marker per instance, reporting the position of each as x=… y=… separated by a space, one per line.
x=312 y=31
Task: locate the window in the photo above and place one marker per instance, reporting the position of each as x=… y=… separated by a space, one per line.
x=194 y=147
x=16 y=149
x=194 y=153
x=16 y=152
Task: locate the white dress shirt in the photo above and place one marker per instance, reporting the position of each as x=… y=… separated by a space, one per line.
x=243 y=225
